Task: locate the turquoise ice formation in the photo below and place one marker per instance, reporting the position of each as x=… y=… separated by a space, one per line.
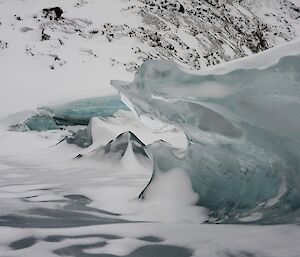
x=243 y=129
x=77 y=112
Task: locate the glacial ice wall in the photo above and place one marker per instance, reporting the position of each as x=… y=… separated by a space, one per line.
x=243 y=129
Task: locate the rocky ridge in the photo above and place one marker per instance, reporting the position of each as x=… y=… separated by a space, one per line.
x=193 y=33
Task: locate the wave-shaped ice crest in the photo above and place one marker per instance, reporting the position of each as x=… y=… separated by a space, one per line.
x=244 y=135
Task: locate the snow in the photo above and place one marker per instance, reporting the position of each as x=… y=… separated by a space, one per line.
x=28 y=81
x=206 y=240
x=261 y=60
x=86 y=62
x=37 y=174
x=104 y=130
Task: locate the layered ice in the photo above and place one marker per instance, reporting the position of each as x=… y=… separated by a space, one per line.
x=72 y=113
x=243 y=129
x=74 y=116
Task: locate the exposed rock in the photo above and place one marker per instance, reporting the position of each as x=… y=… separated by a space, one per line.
x=192 y=33
x=53 y=13
x=203 y=33
x=181 y=8
x=3 y=44
x=18 y=18
x=45 y=36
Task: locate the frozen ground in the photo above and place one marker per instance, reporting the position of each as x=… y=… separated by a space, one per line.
x=52 y=204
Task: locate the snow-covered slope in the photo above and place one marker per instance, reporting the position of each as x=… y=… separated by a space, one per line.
x=70 y=64
x=45 y=57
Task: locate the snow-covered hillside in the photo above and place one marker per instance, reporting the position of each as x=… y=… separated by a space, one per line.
x=75 y=50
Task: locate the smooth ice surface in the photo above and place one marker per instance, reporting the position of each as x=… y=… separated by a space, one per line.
x=243 y=129
x=84 y=109
x=77 y=112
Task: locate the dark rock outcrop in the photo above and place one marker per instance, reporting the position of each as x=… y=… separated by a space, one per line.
x=53 y=13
